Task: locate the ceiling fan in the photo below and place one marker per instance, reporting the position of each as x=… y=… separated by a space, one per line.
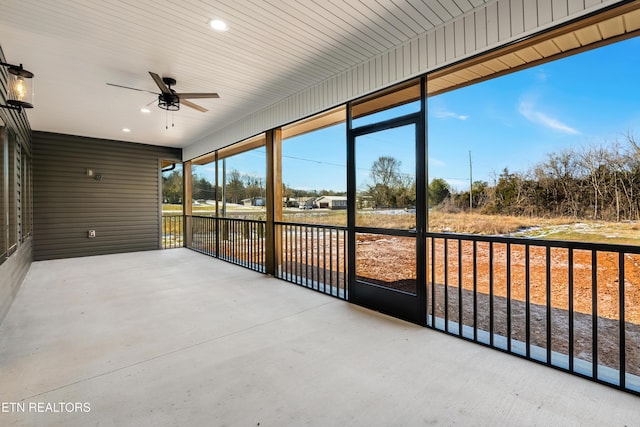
x=169 y=99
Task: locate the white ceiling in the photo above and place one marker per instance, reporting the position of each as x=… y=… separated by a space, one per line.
x=274 y=48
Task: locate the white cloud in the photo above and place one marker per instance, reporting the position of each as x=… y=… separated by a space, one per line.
x=458 y=184
x=436 y=162
x=445 y=114
x=528 y=111
x=542 y=76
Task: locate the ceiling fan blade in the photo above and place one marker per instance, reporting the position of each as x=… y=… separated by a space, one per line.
x=192 y=105
x=197 y=95
x=163 y=87
x=132 y=88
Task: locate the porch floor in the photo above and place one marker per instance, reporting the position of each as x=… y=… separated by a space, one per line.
x=178 y=338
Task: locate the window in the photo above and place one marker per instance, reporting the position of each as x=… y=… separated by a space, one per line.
x=551 y=151
x=171 y=188
x=4 y=193
x=13 y=200
x=26 y=196
x=314 y=169
x=204 y=193
x=243 y=183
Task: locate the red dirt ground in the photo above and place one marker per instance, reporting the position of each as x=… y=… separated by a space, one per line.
x=392 y=259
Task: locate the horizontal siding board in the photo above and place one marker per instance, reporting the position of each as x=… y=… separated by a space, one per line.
x=122 y=207
x=103 y=250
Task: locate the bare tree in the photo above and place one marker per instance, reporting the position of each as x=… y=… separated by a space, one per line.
x=386 y=171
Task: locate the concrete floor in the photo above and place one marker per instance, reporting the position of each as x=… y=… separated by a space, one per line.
x=175 y=338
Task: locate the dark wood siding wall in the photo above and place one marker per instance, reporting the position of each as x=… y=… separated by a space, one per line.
x=122 y=207
x=15 y=220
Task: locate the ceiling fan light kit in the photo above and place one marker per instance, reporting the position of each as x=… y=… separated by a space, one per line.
x=168 y=98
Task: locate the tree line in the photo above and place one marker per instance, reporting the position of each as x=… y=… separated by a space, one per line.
x=239 y=186
x=600 y=182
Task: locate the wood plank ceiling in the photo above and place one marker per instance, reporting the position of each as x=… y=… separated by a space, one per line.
x=273 y=49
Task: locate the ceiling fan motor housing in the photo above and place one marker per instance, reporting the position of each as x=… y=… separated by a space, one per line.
x=169 y=101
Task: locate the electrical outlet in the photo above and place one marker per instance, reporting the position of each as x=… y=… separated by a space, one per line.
x=91 y=234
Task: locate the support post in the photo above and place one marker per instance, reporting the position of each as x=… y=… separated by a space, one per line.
x=274 y=199
x=187 y=191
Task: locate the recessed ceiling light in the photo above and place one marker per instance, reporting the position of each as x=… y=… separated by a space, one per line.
x=218 y=25
x=145 y=110
x=126 y=130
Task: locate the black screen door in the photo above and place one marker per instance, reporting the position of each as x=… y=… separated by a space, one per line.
x=386 y=230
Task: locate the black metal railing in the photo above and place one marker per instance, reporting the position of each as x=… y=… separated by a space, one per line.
x=570 y=305
x=172 y=231
x=314 y=256
x=573 y=306
x=238 y=241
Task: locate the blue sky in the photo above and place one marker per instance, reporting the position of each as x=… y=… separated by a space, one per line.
x=513 y=121
x=516 y=120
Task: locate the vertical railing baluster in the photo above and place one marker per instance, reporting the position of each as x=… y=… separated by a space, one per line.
x=286 y=256
x=508 y=268
x=446 y=284
x=345 y=284
x=621 y=323
x=491 y=293
x=594 y=311
x=314 y=258
x=475 y=290
x=331 y=284
x=324 y=260
x=527 y=315
x=547 y=266
x=296 y=252
x=306 y=250
x=460 y=307
x=570 y=307
x=433 y=282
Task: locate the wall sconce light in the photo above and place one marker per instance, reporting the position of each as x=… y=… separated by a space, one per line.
x=20 y=86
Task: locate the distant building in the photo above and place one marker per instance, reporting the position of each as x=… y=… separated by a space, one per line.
x=253 y=201
x=307 y=203
x=332 y=202
x=290 y=202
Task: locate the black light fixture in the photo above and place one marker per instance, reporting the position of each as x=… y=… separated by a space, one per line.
x=168 y=100
x=20 y=86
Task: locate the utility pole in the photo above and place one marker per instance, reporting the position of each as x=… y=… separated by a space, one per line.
x=470 y=182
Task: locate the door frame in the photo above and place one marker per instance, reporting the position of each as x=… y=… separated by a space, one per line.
x=389 y=301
